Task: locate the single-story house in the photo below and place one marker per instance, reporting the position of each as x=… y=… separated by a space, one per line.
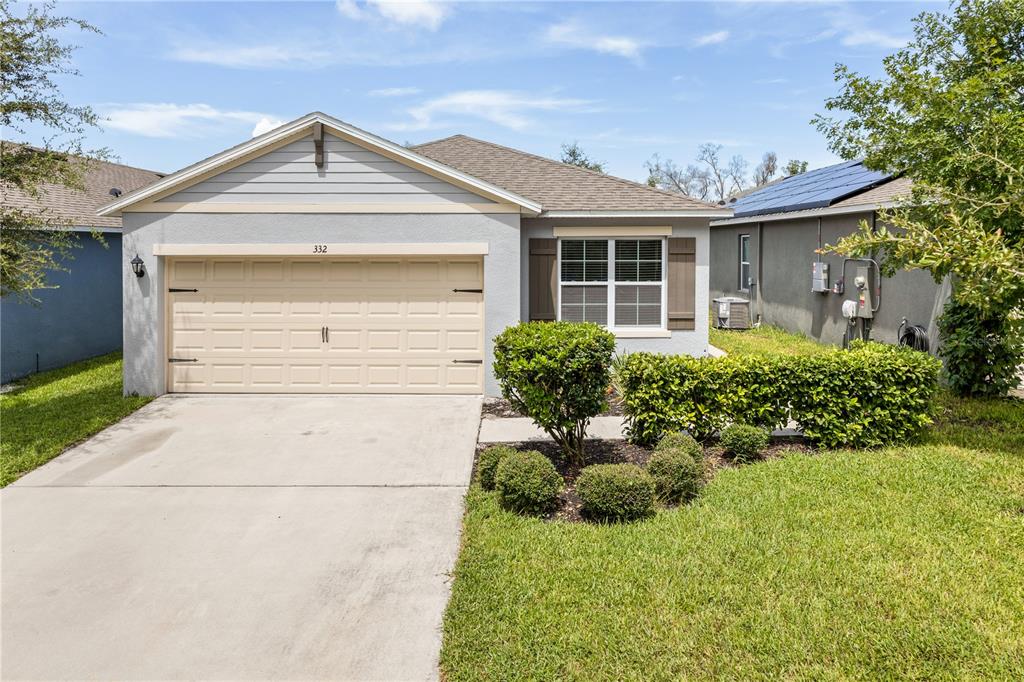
x=767 y=254
x=320 y=258
x=81 y=316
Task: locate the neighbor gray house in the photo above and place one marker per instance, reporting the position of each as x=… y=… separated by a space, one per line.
x=767 y=254
x=80 y=316
x=319 y=257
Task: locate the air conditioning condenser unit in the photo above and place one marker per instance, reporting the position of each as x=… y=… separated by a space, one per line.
x=732 y=312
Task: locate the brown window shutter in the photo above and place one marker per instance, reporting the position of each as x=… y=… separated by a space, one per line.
x=682 y=283
x=543 y=279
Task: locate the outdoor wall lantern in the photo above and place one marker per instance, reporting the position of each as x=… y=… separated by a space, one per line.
x=137 y=266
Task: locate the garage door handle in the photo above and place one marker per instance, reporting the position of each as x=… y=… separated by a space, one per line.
x=469 y=362
x=174 y=290
x=182 y=359
x=467 y=291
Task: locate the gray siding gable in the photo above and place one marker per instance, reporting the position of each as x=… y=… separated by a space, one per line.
x=351 y=174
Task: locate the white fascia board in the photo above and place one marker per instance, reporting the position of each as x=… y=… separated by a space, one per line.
x=695 y=213
x=811 y=213
x=289 y=129
x=81 y=228
x=324 y=250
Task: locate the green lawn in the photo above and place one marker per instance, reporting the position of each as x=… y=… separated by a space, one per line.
x=54 y=410
x=899 y=563
x=764 y=341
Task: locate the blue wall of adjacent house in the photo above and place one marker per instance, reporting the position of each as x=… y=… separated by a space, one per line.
x=79 y=319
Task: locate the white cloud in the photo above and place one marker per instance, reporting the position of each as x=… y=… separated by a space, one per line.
x=506 y=108
x=873 y=38
x=349 y=8
x=394 y=92
x=429 y=14
x=178 y=120
x=265 y=125
x=711 y=39
x=855 y=29
x=250 y=56
x=571 y=34
x=771 y=81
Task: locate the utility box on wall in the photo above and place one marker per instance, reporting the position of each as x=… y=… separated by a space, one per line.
x=819 y=278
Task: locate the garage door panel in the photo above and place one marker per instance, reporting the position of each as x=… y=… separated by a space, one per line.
x=467 y=341
x=395 y=325
x=228 y=340
x=345 y=340
x=228 y=270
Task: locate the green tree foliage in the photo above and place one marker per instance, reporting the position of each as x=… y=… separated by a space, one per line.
x=33 y=242
x=574 y=155
x=556 y=373
x=949 y=113
x=794 y=167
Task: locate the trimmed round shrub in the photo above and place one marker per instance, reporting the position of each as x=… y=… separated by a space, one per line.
x=679 y=440
x=744 y=442
x=527 y=482
x=487 y=464
x=615 y=492
x=556 y=373
x=678 y=477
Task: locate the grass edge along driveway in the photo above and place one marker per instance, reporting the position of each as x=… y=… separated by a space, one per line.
x=54 y=410
x=895 y=563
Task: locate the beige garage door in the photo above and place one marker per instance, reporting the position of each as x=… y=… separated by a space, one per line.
x=340 y=325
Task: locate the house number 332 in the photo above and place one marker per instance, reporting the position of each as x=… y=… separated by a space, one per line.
x=319 y=248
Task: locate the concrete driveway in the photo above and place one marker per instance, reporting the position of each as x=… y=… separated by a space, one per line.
x=241 y=537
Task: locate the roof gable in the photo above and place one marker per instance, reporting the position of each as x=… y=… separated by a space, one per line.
x=347 y=174
x=297 y=129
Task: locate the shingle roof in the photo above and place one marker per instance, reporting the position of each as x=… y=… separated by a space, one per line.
x=77 y=206
x=556 y=186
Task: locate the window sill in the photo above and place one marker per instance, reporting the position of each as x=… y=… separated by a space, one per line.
x=642 y=333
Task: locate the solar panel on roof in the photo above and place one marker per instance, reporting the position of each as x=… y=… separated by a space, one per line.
x=813 y=189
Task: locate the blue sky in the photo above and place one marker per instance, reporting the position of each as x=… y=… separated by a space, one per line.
x=179 y=81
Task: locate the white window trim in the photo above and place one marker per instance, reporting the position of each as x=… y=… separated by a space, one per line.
x=744 y=286
x=630 y=331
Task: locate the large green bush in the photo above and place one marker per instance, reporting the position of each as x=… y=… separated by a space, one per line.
x=557 y=373
x=871 y=395
x=527 y=482
x=615 y=492
x=981 y=352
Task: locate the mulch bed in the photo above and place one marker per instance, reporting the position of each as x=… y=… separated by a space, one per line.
x=499 y=407
x=600 y=451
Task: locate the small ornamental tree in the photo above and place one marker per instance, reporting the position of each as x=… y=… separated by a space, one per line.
x=33 y=61
x=949 y=114
x=556 y=373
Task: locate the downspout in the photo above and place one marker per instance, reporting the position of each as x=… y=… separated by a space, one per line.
x=760 y=278
x=878 y=271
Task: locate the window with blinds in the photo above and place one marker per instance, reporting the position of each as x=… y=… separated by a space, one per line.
x=612 y=282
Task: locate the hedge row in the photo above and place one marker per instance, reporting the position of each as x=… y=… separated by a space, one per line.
x=871 y=395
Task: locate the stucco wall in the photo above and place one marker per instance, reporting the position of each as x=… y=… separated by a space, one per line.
x=79 y=319
x=680 y=342
x=144 y=367
x=784 y=282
